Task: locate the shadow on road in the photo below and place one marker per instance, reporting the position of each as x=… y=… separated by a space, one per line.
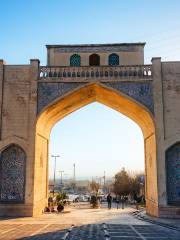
x=107 y=231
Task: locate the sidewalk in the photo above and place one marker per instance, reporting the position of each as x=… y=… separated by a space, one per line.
x=165 y=222
x=80 y=215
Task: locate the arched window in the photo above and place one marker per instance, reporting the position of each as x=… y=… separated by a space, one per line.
x=94 y=60
x=12 y=174
x=75 y=60
x=113 y=59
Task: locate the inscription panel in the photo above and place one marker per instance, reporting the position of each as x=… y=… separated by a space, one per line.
x=12 y=174
x=173 y=174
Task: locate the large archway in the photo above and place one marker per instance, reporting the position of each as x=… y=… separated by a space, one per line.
x=75 y=100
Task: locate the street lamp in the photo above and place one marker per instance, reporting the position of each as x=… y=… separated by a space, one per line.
x=54 y=156
x=61 y=173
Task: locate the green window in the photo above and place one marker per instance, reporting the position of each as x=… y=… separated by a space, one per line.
x=75 y=60
x=113 y=59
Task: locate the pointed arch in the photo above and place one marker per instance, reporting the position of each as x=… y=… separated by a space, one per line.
x=12 y=174
x=120 y=102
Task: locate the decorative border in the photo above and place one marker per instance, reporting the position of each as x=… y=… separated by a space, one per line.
x=97 y=49
x=140 y=91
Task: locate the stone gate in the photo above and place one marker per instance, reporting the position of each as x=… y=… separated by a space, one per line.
x=34 y=97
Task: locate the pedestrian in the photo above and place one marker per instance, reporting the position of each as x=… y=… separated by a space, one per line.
x=109 y=200
x=60 y=207
x=122 y=201
x=117 y=201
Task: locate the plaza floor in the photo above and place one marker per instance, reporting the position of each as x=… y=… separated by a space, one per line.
x=83 y=223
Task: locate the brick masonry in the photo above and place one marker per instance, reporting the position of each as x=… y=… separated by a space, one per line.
x=23 y=95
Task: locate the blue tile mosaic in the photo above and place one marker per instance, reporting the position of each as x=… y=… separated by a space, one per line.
x=173 y=174
x=48 y=92
x=12 y=174
x=140 y=91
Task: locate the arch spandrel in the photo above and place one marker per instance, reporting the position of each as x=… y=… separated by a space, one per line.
x=90 y=93
x=140 y=91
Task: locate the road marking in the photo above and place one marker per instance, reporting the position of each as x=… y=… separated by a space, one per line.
x=39 y=230
x=139 y=234
x=67 y=233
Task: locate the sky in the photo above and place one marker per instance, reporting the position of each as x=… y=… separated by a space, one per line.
x=96 y=138
x=27 y=26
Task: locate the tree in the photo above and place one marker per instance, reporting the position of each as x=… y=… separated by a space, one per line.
x=122 y=183
x=137 y=187
x=136 y=183
x=61 y=196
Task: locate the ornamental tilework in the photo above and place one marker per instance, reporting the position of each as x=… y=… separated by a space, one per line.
x=141 y=91
x=173 y=174
x=89 y=49
x=12 y=174
x=48 y=92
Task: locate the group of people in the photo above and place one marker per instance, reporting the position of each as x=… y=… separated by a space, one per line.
x=119 y=200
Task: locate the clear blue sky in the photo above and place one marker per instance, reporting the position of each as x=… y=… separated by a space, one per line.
x=26 y=26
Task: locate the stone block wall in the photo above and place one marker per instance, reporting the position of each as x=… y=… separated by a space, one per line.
x=19 y=108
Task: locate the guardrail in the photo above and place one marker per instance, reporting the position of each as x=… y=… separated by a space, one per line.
x=89 y=72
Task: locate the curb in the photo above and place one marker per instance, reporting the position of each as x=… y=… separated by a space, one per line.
x=139 y=216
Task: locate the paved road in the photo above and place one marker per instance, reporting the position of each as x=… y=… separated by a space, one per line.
x=87 y=232
x=89 y=225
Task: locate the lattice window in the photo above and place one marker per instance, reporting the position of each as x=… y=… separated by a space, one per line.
x=113 y=59
x=75 y=60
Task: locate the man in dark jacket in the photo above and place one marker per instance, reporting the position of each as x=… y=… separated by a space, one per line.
x=109 y=200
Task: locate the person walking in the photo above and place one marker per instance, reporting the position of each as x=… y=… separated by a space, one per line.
x=109 y=200
x=123 y=201
x=117 y=201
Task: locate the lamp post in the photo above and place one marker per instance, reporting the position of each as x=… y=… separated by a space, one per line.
x=54 y=156
x=61 y=173
x=74 y=176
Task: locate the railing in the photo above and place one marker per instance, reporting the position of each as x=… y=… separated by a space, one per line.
x=105 y=72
